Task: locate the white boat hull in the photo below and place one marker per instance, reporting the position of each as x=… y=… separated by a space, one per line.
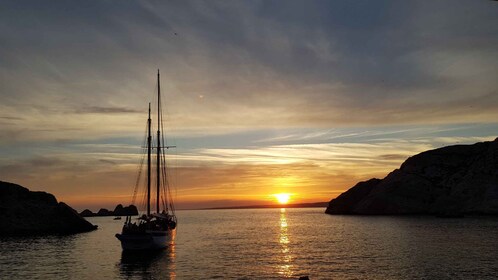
x=150 y=240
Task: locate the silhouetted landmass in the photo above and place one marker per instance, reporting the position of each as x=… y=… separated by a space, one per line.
x=294 y=205
x=125 y=211
x=118 y=211
x=104 y=212
x=450 y=182
x=86 y=213
x=25 y=212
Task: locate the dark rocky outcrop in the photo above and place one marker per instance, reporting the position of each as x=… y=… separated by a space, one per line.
x=25 y=212
x=125 y=211
x=104 y=212
x=449 y=181
x=86 y=213
x=118 y=211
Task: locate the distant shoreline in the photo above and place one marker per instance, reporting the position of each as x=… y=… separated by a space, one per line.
x=293 y=205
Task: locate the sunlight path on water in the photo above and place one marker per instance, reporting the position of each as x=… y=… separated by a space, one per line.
x=286 y=257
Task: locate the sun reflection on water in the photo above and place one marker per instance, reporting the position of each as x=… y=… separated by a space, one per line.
x=285 y=258
x=172 y=260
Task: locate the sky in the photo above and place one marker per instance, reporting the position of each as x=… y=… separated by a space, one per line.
x=261 y=97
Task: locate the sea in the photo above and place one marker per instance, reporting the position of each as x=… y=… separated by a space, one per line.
x=269 y=244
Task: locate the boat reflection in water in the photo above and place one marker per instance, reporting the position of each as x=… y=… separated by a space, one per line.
x=158 y=264
x=285 y=267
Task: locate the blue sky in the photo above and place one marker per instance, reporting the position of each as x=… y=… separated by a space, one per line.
x=252 y=88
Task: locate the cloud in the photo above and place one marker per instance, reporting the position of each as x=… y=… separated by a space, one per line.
x=258 y=64
x=11 y=118
x=106 y=110
x=108 y=161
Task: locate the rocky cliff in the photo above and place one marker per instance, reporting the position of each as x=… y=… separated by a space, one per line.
x=26 y=212
x=448 y=181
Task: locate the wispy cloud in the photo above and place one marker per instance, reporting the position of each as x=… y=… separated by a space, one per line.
x=106 y=110
x=311 y=171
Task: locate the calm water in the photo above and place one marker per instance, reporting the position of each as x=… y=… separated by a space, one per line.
x=269 y=244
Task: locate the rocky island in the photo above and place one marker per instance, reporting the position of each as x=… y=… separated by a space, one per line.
x=450 y=181
x=26 y=212
x=130 y=210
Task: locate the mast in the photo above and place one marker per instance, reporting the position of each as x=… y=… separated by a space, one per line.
x=158 y=165
x=149 y=140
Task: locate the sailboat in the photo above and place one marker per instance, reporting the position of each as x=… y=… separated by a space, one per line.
x=153 y=230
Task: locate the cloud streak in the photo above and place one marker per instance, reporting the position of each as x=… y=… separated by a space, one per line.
x=106 y=110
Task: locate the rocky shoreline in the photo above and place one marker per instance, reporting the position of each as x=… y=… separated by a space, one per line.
x=25 y=212
x=448 y=182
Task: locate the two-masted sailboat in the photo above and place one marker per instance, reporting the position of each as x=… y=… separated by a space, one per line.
x=153 y=230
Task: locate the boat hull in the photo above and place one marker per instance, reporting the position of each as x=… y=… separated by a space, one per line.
x=149 y=240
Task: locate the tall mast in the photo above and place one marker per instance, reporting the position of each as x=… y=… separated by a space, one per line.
x=158 y=165
x=149 y=140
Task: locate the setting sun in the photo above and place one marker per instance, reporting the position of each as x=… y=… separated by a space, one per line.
x=282 y=198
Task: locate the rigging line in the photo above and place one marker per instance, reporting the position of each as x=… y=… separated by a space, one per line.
x=168 y=190
x=163 y=161
x=137 y=182
x=164 y=182
x=163 y=199
x=167 y=198
x=169 y=193
x=172 y=175
x=171 y=204
x=140 y=168
x=143 y=204
x=164 y=178
x=153 y=183
x=168 y=173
